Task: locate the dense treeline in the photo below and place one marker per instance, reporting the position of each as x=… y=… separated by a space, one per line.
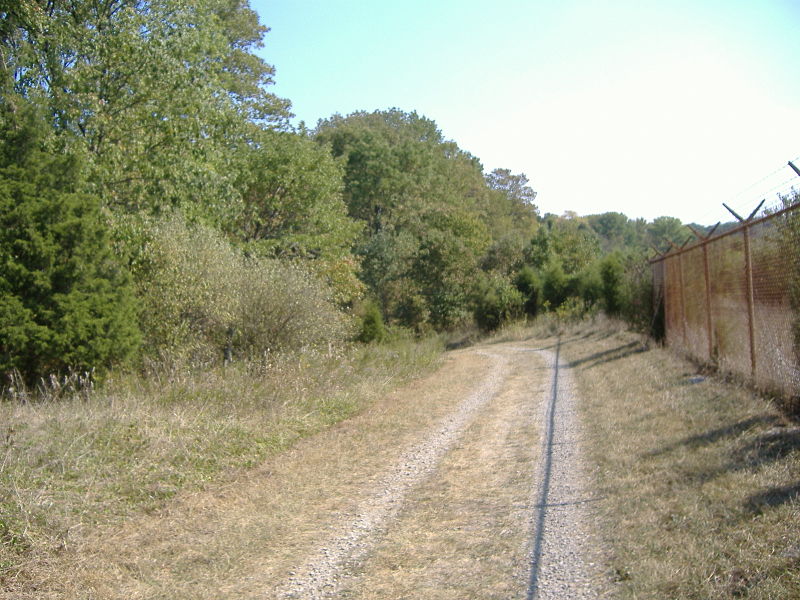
x=157 y=205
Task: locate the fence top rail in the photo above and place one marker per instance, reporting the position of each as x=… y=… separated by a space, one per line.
x=744 y=225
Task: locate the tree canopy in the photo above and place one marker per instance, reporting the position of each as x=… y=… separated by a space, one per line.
x=144 y=162
x=423 y=204
x=154 y=93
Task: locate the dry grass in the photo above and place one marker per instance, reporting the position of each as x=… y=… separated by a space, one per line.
x=545 y=328
x=465 y=533
x=701 y=478
x=179 y=488
x=239 y=538
x=70 y=466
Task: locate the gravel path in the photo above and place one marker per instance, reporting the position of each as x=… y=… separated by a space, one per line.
x=466 y=483
x=319 y=577
x=565 y=560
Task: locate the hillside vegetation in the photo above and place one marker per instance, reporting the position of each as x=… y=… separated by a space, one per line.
x=162 y=208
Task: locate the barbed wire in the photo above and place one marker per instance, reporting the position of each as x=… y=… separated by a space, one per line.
x=771 y=187
x=753 y=185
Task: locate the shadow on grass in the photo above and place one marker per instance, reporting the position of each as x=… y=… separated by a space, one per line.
x=715 y=435
x=772 y=498
x=607 y=356
x=770 y=446
x=465 y=343
x=550 y=347
x=775 y=445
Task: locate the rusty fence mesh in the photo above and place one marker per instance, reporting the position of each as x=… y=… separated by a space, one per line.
x=733 y=301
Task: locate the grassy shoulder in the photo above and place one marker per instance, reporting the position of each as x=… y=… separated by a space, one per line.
x=700 y=478
x=75 y=461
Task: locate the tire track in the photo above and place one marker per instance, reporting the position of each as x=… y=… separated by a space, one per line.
x=564 y=558
x=320 y=575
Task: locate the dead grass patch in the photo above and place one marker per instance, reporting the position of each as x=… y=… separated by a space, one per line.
x=465 y=533
x=242 y=535
x=71 y=467
x=701 y=478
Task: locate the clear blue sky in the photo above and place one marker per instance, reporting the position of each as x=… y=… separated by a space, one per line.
x=644 y=107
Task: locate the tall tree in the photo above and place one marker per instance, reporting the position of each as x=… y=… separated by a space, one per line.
x=422 y=201
x=292 y=208
x=514 y=188
x=568 y=240
x=664 y=230
x=512 y=217
x=154 y=93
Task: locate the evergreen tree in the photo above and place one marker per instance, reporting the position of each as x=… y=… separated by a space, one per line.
x=65 y=302
x=528 y=284
x=372 y=328
x=612 y=274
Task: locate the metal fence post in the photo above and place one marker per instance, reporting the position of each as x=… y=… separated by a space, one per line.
x=751 y=316
x=706 y=274
x=748 y=269
x=709 y=325
x=683 y=300
x=664 y=294
x=777 y=367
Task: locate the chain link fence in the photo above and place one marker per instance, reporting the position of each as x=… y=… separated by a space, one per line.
x=733 y=300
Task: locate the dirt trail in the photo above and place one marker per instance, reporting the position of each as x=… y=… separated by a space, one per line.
x=434 y=492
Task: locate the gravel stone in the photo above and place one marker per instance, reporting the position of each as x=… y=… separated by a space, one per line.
x=564 y=555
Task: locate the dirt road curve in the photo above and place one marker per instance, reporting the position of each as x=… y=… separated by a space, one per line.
x=466 y=484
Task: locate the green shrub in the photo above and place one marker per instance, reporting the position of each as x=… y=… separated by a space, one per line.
x=283 y=306
x=372 y=328
x=554 y=285
x=612 y=275
x=574 y=309
x=587 y=285
x=186 y=279
x=530 y=286
x=202 y=297
x=498 y=301
x=411 y=308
